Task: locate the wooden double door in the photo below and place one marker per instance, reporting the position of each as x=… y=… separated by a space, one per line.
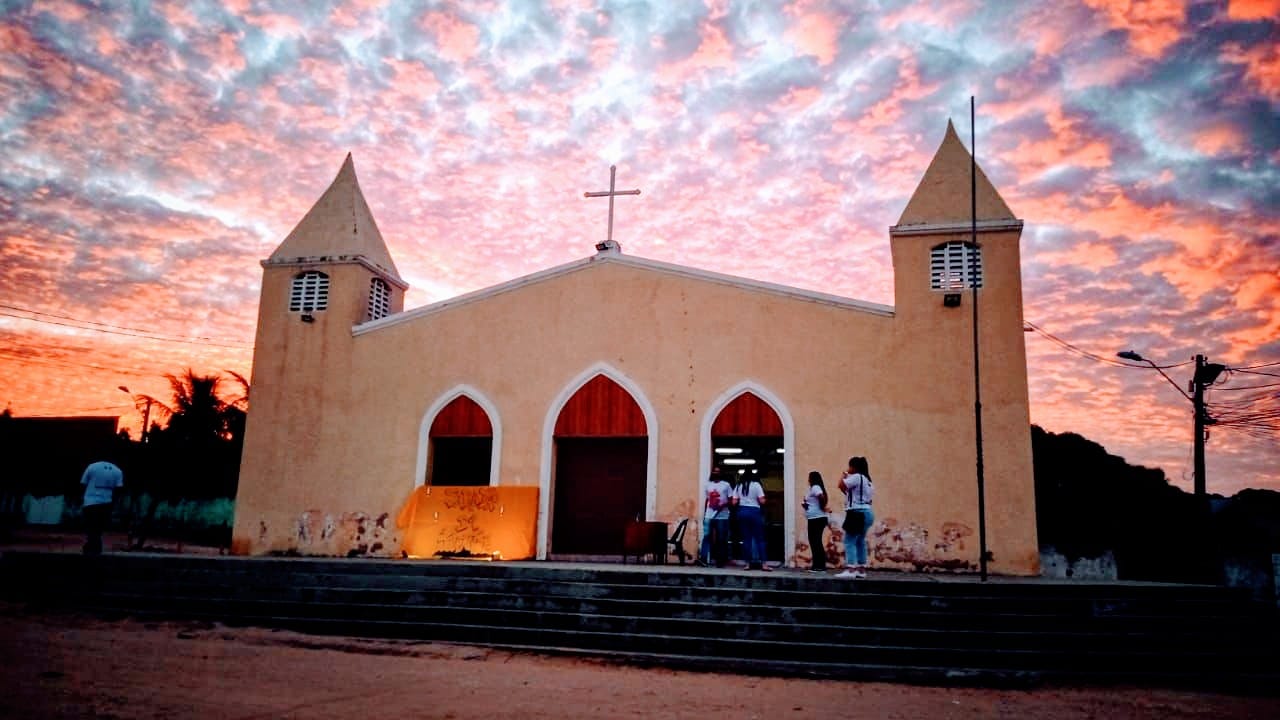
x=599 y=488
x=601 y=464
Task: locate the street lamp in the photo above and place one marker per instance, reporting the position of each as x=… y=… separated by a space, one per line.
x=146 y=413
x=1206 y=373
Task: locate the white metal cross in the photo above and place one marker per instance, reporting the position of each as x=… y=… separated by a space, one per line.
x=613 y=172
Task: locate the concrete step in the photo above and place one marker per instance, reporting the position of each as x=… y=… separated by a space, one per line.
x=1207 y=630
x=780 y=622
x=714 y=649
x=1047 y=639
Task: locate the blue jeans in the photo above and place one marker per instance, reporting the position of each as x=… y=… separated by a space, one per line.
x=855 y=546
x=751 y=520
x=715 y=541
x=704 y=547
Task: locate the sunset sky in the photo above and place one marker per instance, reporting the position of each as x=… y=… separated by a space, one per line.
x=154 y=153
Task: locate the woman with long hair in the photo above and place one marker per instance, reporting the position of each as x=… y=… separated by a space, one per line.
x=749 y=497
x=858 y=493
x=815 y=513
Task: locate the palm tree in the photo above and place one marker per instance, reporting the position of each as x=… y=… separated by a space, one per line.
x=197 y=453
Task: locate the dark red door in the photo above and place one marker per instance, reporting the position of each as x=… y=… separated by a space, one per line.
x=599 y=488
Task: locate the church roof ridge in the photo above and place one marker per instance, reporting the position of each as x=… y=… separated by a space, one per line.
x=943 y=193
x=340 y=223
x=630 y=261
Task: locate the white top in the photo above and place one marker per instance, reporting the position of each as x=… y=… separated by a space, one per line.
x=813 y=504
x=717 y=503
x=750 y=495
x=858 y=491
x=99 y=480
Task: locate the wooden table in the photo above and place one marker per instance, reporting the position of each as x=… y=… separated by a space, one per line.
x=645 y=538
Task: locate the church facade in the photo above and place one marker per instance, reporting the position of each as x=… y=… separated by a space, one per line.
x=613 y=384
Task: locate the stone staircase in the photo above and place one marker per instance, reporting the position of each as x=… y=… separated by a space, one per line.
x=896 y=628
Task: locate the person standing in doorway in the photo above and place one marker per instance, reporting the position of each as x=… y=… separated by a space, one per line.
x=815 y=513
x=100 y=480
x=715 y=539
x=858 y=494
x=749 y=497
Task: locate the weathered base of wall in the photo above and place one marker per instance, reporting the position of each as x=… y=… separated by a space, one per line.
x=1057 y=566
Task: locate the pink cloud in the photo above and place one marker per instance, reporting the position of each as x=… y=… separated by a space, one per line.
x=947 y=14
x=456 y=39
x=1262 y=65
x=815 y=34
x=714 y=52
x=1219 y=138
x=1253 y=9
x=1153 y=25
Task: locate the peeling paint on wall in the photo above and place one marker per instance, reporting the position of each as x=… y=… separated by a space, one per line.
x=908 y=545
x=350 y=534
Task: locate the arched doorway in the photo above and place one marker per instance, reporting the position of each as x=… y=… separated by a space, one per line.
x=460 y=441
x=600 y=447
x=749 y=440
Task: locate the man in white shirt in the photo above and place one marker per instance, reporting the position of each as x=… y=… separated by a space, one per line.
x=100 y=480
x=716 y=519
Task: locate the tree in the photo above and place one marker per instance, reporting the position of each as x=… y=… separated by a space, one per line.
x=196 y=453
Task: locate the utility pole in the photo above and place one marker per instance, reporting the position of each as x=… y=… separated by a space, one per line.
x=1197 y=400
x=146 y=421
x=977 y=383
x=1205 y=375
x=146 y=413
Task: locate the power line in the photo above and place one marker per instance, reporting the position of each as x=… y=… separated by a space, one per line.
x=66 y=364
x=1094 y=356
x=120 y=330
x=1266 y=364
x=1249 y=387
x=81 y=410
x=1256 y=372
x=121 y=327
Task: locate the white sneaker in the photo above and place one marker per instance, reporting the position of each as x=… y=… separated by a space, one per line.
x=859 y=573
x=846 y=574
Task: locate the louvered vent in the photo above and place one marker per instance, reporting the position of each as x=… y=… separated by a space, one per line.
x=310 y=292
x=952 y=266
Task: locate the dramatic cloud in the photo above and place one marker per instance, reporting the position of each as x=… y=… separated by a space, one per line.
x=155 y=152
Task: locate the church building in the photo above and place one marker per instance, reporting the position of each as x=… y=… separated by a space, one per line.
x=538 y=418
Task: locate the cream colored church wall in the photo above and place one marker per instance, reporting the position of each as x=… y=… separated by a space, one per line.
x=332 y=452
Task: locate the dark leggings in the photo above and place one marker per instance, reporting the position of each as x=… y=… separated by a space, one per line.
x=816 y=545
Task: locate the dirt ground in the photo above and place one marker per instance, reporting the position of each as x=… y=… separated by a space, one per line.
x=55 y=665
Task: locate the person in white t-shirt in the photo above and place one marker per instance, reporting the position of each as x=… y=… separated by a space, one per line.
x=858 y=494
x=749 y=497
x=100 y=480
x=715 y=538
x=815 y=513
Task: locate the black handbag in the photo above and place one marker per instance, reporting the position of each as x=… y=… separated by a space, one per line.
x=855 y=523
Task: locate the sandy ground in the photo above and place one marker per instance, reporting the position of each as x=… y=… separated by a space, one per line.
x=56 y=665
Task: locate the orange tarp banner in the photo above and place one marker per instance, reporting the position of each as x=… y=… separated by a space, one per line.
x=497 y=522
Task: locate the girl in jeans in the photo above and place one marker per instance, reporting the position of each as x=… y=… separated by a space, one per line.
x=749 y=497
x=858 y=493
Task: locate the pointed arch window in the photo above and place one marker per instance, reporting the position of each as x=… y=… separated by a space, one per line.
x=955 y=265
x=379 y=299
x=310 y=292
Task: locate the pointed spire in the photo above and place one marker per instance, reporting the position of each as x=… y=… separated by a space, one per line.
x=943 y=193
x=340 y=223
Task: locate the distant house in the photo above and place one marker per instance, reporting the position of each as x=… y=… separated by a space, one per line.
x=45 y=455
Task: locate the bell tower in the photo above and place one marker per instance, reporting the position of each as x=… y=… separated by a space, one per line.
x=936 y=265
x=332 y=272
